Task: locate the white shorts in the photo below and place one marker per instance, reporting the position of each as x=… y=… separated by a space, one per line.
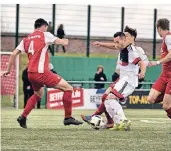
x=123 y=87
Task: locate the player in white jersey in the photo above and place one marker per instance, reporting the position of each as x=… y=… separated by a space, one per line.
x=129 y=69
x=128 y=60
x=131 y=35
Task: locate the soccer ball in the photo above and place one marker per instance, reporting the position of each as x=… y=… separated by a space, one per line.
x=96 y=122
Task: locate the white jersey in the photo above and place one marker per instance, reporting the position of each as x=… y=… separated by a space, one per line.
x=135 y=70
x=142 y=54
x=128 y=64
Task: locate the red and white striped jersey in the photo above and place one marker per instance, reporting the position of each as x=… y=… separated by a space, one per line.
x=36 y=45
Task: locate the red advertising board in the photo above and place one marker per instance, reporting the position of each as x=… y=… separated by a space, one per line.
x=54 y=98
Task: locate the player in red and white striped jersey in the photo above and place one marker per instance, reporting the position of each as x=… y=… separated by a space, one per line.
x=35 y=45
x=161 y=89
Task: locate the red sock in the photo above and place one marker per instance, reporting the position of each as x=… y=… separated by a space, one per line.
x=169 y=112
x=67 y=103
x=104 y=97
x=100 y=109
x=30 y=104
x=159 y=98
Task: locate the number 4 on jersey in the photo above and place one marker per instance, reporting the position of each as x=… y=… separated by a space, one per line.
x=31 y=48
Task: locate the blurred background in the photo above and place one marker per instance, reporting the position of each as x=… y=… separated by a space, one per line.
x=82 y=25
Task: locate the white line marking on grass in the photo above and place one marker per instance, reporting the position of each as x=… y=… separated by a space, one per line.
x=149 y=121
x=33 y=149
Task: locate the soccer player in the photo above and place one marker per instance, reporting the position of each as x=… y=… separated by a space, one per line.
x=35 y=45
x=161 y=89
x=131 y=35
x=129 y=61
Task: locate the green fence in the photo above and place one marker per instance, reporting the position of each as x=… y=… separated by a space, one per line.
x=73 y=68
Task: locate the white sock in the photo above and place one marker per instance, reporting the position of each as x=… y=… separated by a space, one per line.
x=115 y=110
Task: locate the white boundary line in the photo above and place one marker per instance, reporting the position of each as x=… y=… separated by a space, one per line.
x=33 y=149
x=154 y=122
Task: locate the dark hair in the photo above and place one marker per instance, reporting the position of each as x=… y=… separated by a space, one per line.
x=61 y=26
x=131 y=31
x=100 y=66
x=40 y=22
x=163 y=23
x=120 y=34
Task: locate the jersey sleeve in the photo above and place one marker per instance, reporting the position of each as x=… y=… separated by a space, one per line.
x=168 y=42
x=134 y=57
x=21 y=46
x=49 y=38
x=142 y=55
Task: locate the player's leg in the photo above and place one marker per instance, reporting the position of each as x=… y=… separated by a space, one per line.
x=156 y=94
x=67 y=88
x=67 y=101
x=115 y=110
x=121 y=90
x=55 y=81
x=32 y=101
x=101 y=109
x=167 y=100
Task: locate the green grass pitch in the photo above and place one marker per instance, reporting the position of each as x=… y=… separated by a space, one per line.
x=46 y=132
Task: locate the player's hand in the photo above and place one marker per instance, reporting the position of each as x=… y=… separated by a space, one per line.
x=152 y=63
x=5 y=73
x=102 y=78
x=96 y=43
x=141 y=76
x=65 y=41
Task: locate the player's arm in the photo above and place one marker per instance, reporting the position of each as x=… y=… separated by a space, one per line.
x=143 y=56
x=143 y=67
x=11 y=61
x=106 y=45
x=63 y=41
x=167 y=58
x=51 y=39
x=136 y=59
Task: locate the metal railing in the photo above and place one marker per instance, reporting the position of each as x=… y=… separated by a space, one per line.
x=91 y=84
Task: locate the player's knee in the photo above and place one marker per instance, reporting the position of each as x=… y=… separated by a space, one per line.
x=165 y=107
x=166 y=104
x=69 y=88
x=151 y=99
x=39 y=93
